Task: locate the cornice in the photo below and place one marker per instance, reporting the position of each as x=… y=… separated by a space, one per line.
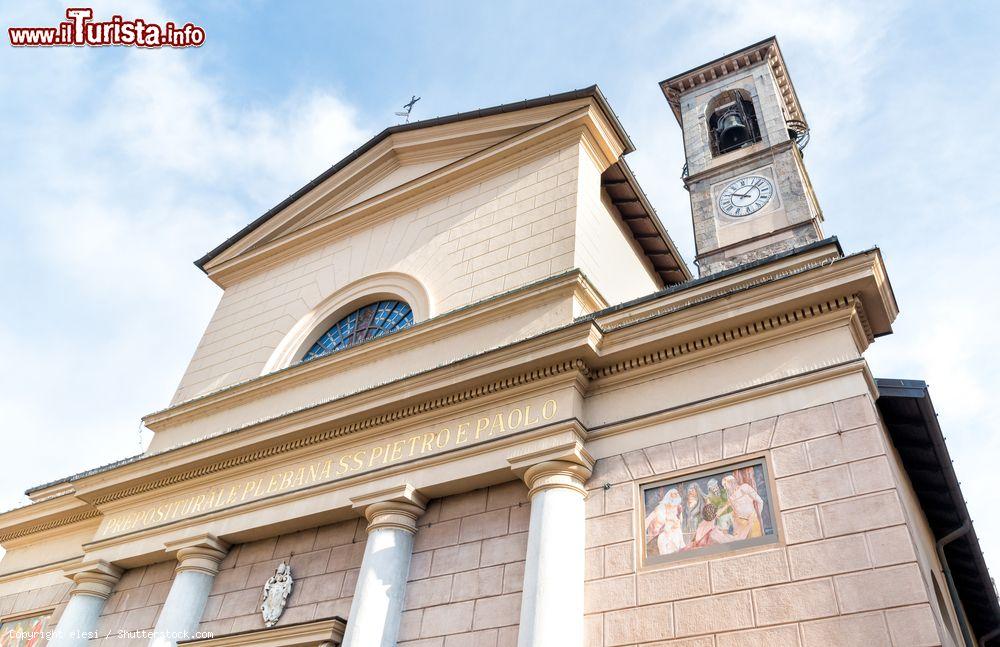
x=290 y=427
x=594 y=350
x=782 y=288
x=447 y=324
x=751 y=391
x=364 y=424
x=766 y=50
x=734 y=335
x=316 y=632
x=747 y=159
x=727 y=336
x=39 y=517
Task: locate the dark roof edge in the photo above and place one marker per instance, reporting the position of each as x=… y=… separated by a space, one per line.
x=592 y=91
x=718 y=60
x=918 y=391
x=655 y=218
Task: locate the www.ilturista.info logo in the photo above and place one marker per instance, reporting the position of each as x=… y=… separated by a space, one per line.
x=80 y=30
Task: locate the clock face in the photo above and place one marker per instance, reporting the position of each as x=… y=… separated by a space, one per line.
x=745 y=196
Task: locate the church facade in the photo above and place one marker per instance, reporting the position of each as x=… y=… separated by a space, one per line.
x=461 y=389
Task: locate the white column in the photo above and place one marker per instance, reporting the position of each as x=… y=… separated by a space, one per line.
x=552 y=600
x=198 y=562
x=378 y=596
x=94 y=582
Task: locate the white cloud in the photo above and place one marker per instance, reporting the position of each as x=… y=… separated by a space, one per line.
x=125 y=166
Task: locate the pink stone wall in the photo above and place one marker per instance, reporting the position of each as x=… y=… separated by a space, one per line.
x=40 y=599
x=135 y=605
x=844 y=572
x=468 y=565
x=324 y=563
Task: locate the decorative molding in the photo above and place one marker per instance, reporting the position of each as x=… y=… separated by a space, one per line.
x=96 y=578
x=397 y=508
x=549 y=475
x=202 y=553
x=615 y=320
x=646 y=360
x=764 y=51
x=361 y=425
x=726 y=336
x=761 y=279
x=382 y=285
x=393 y=515
x=329 y=631
x=48 y=525
x=422 y=332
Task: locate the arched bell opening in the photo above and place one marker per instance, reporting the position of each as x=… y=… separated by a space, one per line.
x=732 y=122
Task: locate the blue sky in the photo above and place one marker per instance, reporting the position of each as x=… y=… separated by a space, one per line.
x=121 y=167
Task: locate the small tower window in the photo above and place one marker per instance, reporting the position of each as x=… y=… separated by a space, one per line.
x=732 y=122
x=365 y=323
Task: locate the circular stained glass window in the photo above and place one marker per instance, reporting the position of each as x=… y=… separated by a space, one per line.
x=368 y=322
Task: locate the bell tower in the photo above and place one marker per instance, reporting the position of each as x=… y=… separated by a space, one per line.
x=744 y=132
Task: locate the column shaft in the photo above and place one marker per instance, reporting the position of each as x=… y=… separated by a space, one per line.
x=78 y=620
x=94 y=583
x=197 y=565
x=182 y=611
x=552 y=599
x=378 y=596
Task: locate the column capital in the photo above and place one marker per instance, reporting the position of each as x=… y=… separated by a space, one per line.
x=201 y=553
x=96 y=577
x=564 y=463
x=556 y=474
x=397 y=507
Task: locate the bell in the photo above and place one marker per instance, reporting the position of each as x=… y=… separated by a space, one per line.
x=732 y=131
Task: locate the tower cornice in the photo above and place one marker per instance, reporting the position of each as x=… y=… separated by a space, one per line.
x=766 y=50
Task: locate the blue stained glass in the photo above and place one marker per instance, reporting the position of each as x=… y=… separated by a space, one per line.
x=368 y=322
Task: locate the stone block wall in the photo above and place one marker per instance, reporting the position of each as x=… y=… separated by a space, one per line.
x=844 y=571
x=324 y=562
x=135 y=605
x=465 y=579
x=40 y=596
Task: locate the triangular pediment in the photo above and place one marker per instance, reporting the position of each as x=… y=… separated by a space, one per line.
x=396 y=157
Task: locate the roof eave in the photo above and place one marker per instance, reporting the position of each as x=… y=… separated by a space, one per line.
x=593 y=92
x=975 y=595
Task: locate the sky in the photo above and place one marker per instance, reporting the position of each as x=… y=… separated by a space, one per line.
x=120 y=167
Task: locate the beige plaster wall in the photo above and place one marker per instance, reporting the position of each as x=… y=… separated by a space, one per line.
x=845 y=570
x=468 y=565
x=47 y=547
x=605 y=251
x=504 y=232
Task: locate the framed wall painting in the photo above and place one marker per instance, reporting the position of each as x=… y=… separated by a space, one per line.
x=26 y=631
x=713 y=511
